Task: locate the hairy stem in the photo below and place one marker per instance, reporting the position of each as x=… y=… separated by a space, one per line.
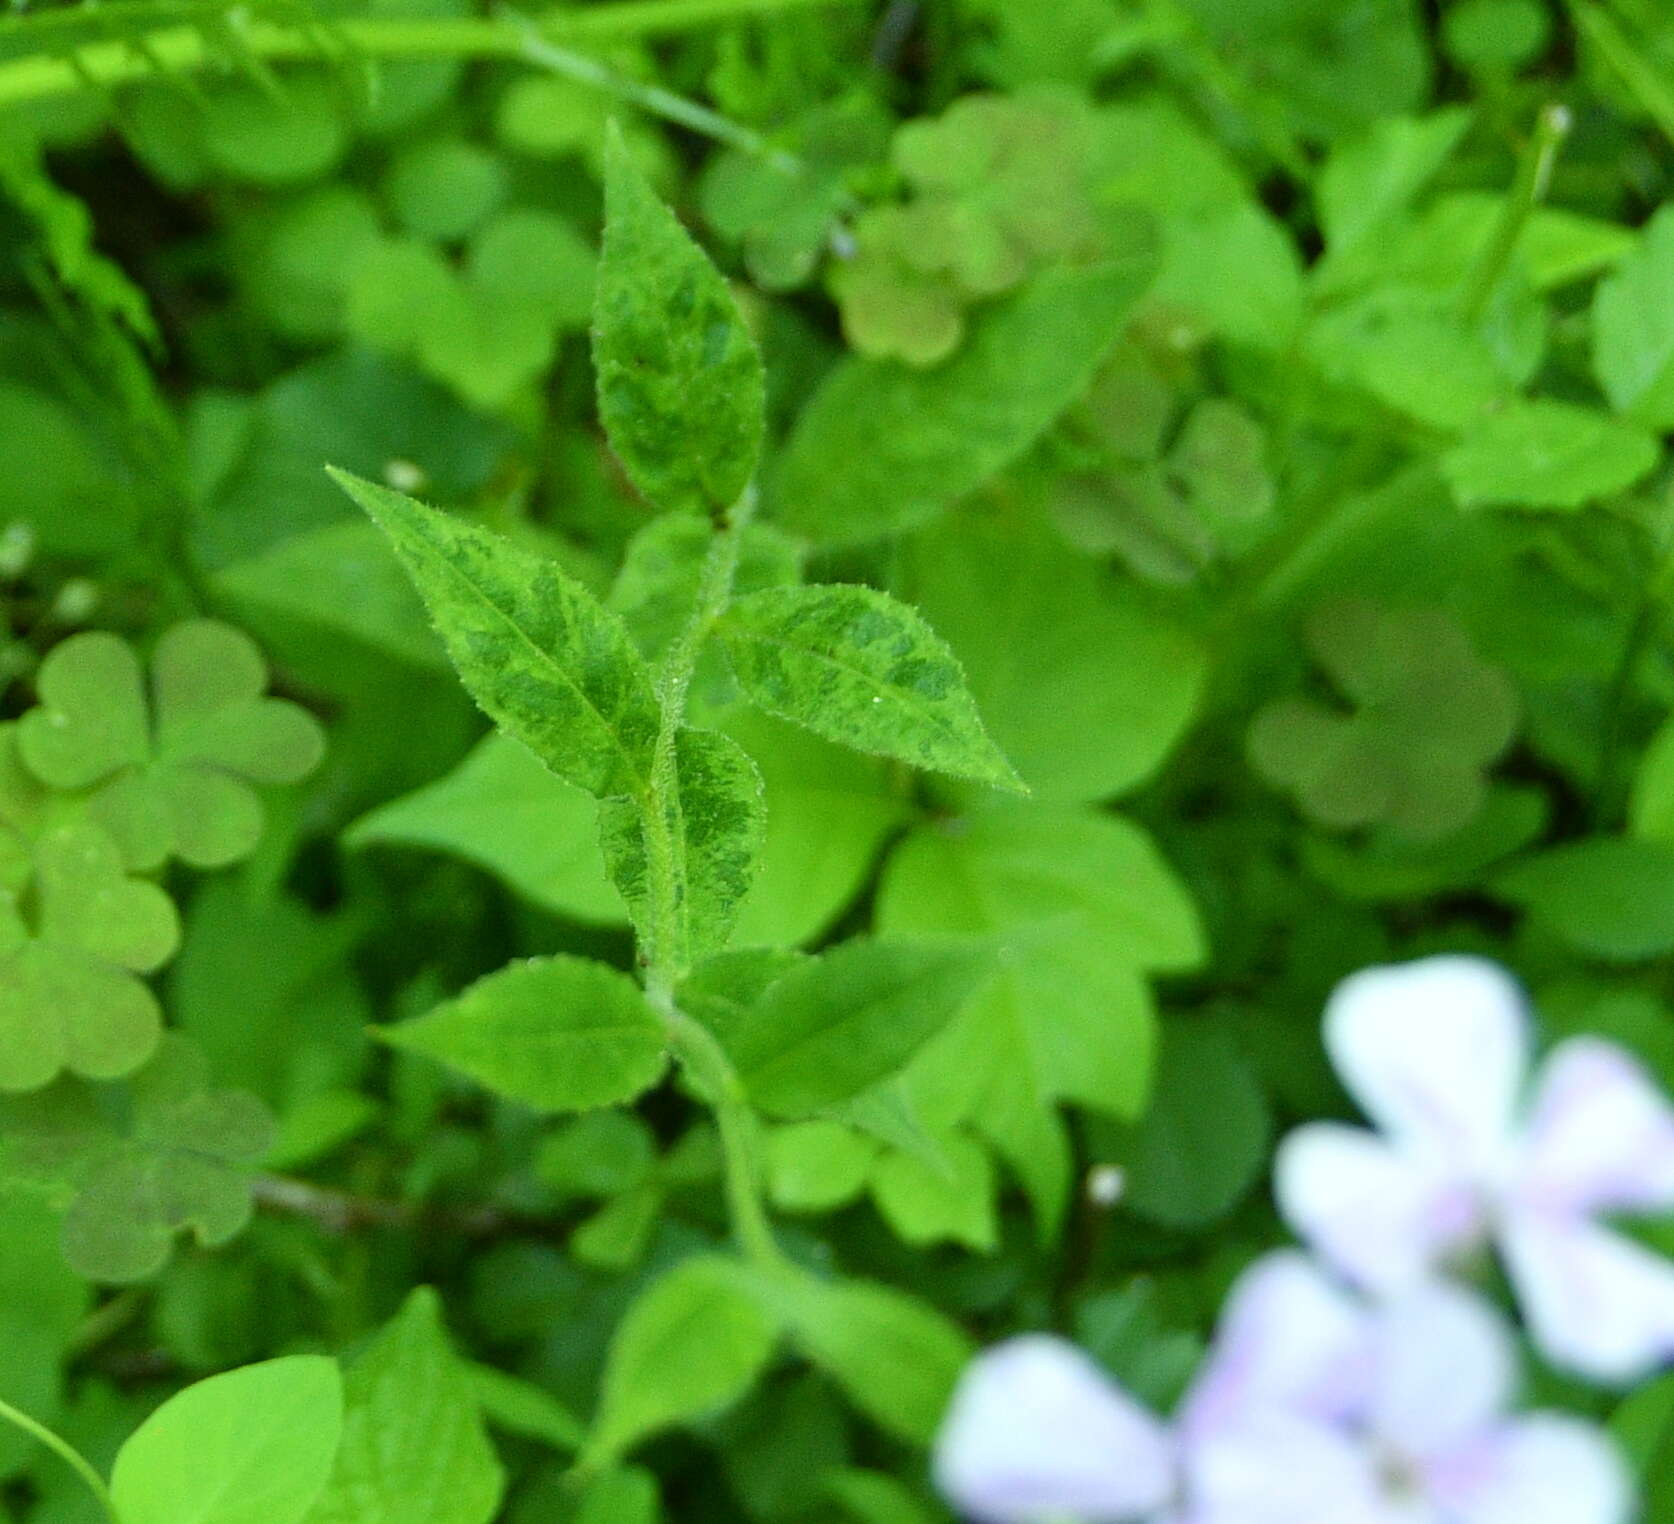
x=183 y=48
x=66 y=1452
x=665 y=954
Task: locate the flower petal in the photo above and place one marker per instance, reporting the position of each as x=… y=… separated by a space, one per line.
x=1276 y=1468
x=1596 y=1303
x=1288 y=1338
x=1037 y=1430
x=1443 y=1370
x=1543 y=1469
x=1600 y=1135
x=1435 y=1051
x=1382 y=1217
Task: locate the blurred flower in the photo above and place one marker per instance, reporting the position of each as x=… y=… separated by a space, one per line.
x=1437 y=1052
x=1313 y=1408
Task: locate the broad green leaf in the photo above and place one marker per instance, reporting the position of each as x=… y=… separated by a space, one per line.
x=1204 y=1139
x=693 y=1343
x=1079 y=904
x=520 y=1407
x=558 y=1034
x=343 y=579
x=503 y=810
x=715 y=819
x=951 y=1201
x=253 y=1446
x=1609 y=896
x=1633 y=327
x=539 y=653
x=413 y=1449
x=42 y=1303
x=857 y=667
x=1643 y=1425
x=837 y=1024
x=1547 y=454
x=679 y=377
x=624 y=1495
x=1235 y=270
x=895 y=1357
x=872 y=1497
x=1102 y=688
x=817 y=1166
x=883 y=446
x=829 y=811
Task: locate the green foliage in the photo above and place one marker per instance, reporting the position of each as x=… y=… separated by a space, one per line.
x=1430 y=718
x=558 y=1034
x=833 y=1026
x=882 y=447
x=253 y=1444
x=856 y=667
x=169 y=772
x=680 y=379
x=165 y=1153
x=1004 y=550
x=536 y=649
x=413 y=1445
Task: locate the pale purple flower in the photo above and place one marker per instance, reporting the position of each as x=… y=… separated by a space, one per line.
x=1437 y=1052
x=1313 y=1408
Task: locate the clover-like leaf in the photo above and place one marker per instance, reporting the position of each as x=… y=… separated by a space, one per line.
x=171 y=769
x=75 y=931
x=139 y=1162
x=1430 y=717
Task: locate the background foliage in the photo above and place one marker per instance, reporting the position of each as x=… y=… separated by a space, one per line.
x=1213 y=534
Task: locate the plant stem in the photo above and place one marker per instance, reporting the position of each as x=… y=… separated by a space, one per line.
x=182 y=48
x=1534 y=173
x=66 y=1452
x=693 y=1042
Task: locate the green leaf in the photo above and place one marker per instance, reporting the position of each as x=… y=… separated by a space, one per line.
x=139 y=1163
x=837 y=1024
x=253 y=1446
x=520 y=1407
x=693 y=1343
x=857 y=667
x=172 y=776
x=817 y=1166
x=1651 y=807
x=871 y=1497
x=716 y=820
x=895 y=1357
x=558 y=1034
x=1546 y=454
x=1610 y=896
x=413 y=1449
x=679 y=377
x=1203 y=1141
x=952 y=1201
x=1633 y=327
x=505 y=811
x=883 y=446
x=1643 y=1425
x=829 y=810
x=539 y=653
x=69 y=998
x=1095 y=697
x=627 y=1495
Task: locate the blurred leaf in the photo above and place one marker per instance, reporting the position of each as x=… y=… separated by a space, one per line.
x=1608 y=896
x=252 y=1446
x=1546 y=454
x=413 y=1449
